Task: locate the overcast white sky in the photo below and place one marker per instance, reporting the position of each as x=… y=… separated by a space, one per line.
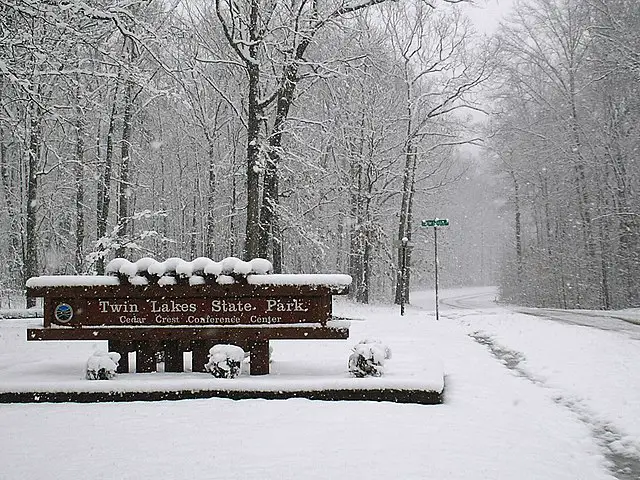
x=486 y=14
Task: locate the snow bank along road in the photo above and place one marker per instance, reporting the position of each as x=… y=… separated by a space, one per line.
x=526 y=398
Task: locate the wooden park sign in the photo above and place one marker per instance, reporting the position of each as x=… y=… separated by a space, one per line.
x=136 y=311
x=186 y=306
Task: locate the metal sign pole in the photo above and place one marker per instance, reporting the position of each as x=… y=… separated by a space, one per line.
x=403 y=293
x=435 y=223
x=435 y=243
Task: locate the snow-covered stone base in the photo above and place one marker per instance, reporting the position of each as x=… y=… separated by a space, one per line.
x=299 y=368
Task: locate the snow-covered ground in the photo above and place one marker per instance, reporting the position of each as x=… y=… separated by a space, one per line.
x=526 y=398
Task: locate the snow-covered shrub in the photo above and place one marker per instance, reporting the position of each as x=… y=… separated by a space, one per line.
x=102 y=365
x=367 y=358
x=225 y=361
x=385 y=347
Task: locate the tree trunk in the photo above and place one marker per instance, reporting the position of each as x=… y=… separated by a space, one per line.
x=14 y=228
x=517 y=228
x=254 y=120
x=268 y=207
x=104 y=183
x=277 y=247
x=356 y=231
x=356 y=245
x=408 y=232
x=194 y=227
x=79 y=174
x=402 y=284
x=211 y=203
x=124 y=187
x=580 y=177
x=232 y=235
x=366 y=269
x=628 y=230
x=402 y=287
x=35 y=142
x=269 y=221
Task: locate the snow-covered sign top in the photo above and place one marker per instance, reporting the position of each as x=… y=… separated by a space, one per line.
x=178 y=267
x=200 y=271
x=71 y=281
x=300 y=279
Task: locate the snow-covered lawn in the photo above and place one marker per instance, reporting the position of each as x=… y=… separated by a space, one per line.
x=566 y=406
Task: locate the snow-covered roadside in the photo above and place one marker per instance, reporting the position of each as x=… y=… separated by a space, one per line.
x=493 y=425
x=591 y=371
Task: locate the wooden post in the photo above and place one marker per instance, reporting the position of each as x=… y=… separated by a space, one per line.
x=259 y=358
x=146 y=357
x=123 y=349
x=199 y=356
x=173 y=361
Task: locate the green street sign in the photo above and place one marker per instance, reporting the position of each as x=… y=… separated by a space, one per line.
x=436 y=222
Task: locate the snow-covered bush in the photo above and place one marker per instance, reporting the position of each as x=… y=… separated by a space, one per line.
x=225 y=361
x=368 y=358
x=102 y=365
x=385 y=347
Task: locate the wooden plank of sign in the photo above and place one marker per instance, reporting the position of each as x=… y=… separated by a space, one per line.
x=188 y=305
x=222 y=334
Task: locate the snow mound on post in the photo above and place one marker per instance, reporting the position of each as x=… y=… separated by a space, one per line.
x=197 y=280
x=213 y=269
x=128 y=269
x=261 y=266
x=201 y=271
x=229 y=264
x=138 y=280
x=184 y=269
x=166 y=267
x=144 y=263
x=113 y=267
x=166 y=280
x=200 y=264
x=225 y=280
x=242 y=268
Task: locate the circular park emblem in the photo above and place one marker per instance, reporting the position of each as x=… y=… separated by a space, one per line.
x=63 y=313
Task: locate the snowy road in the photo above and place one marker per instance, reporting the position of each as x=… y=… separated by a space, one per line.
x=623 y=321
x=526 y=398
x=592 y=372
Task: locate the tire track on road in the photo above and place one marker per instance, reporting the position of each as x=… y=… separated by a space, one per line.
x=623 y=464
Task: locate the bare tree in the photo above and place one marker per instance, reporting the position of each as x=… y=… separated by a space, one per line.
x=439 y=71
x=272 y=42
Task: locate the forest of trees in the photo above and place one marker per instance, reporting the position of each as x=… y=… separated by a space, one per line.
x=567 y=140
x=317 y=133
